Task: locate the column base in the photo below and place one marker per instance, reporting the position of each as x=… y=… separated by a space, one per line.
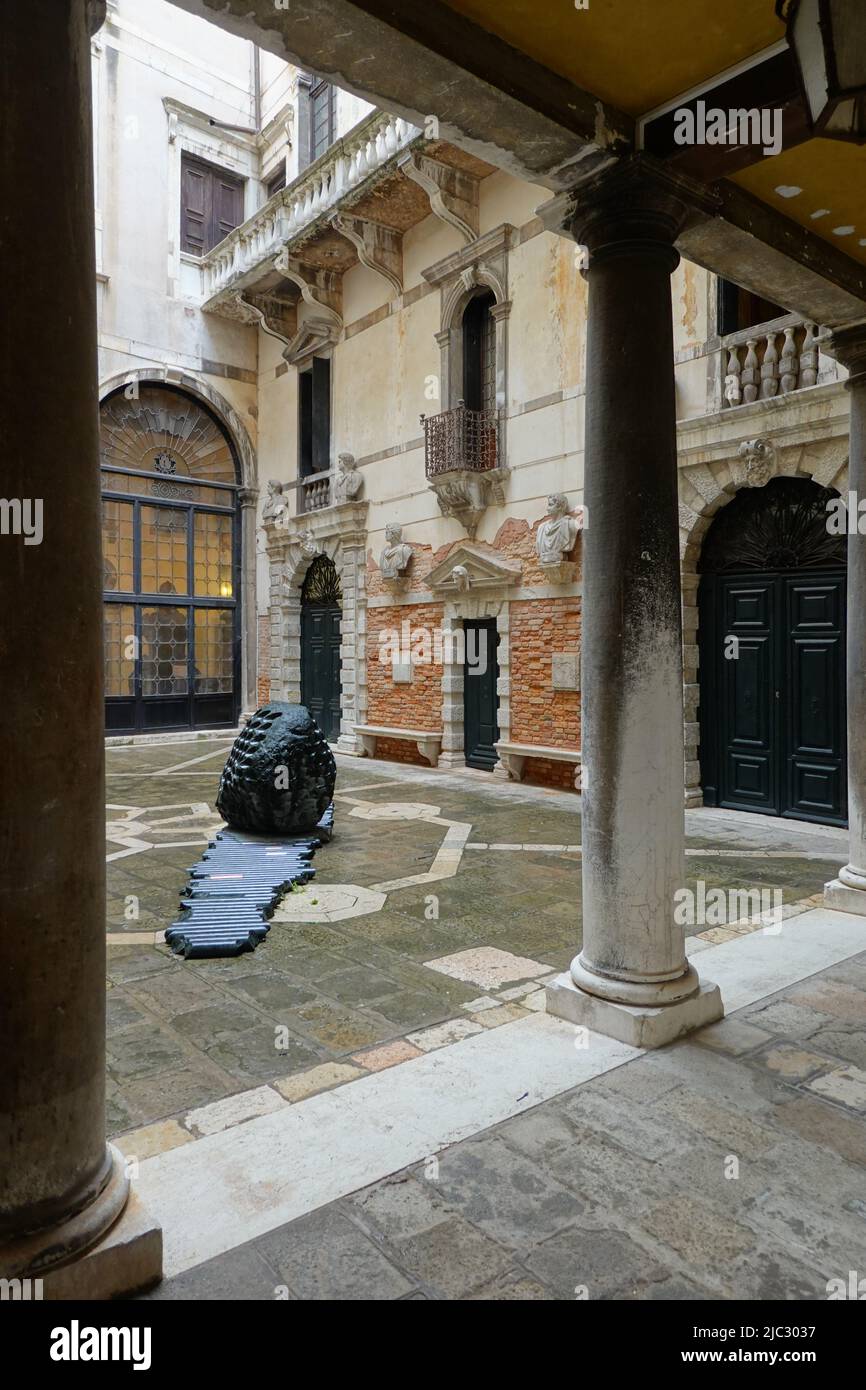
x=451 y=760
x=126 y=1261
x=841 y=897
x=637 y=1025
x=349 y=744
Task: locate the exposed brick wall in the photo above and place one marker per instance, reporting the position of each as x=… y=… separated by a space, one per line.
x=540 y=714
x=415 y=706
x=263 y=642
x=548 y=773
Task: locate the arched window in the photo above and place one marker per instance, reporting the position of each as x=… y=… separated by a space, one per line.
x=171 y=562
x=479 y=352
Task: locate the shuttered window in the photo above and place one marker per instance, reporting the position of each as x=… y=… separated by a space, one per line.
x=321 y=119
x=212 y=205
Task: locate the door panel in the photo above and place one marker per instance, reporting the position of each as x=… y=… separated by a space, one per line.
x=773 y=716
x=480 y=705
x=748 y=696
x=815 y=754
x=320 y=665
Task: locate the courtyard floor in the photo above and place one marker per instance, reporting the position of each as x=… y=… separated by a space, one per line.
x=374 y=1103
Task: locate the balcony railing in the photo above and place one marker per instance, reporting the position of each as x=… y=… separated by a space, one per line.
x=769 y=360
x=460 y=439
x=316 y=492
x=343 y=167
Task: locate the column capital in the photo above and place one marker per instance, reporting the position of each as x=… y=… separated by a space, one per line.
x=848 y=345
x=637 y=200
x=248 y=496
x=96 y=10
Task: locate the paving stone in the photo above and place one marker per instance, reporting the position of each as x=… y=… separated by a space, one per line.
x=832 y=997
x=234 y=1110
x=388 y=1055
x=239 y=1276
x=451 y=1258
x=253 y=1055
x=593 y=1264
x=739 y=1134
x=152 y=1139
x=508 y=1197
x=844 y=1041
x=321 y=1078
x=845 y=1085
x=142 y=1049
x=326 y=1256
x=274 y=993
x=335 y=1026
x=444 y=1034
x=794 y=1020
x=789 y=1063
x=825 y=1127
x=732 y=1036
x=514 y=1286
x=697 y=1232
x=488 y=967
x=506 y=1013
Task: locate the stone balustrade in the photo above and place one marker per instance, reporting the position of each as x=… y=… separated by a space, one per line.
x=316 y=491
x=345 y=166
x=769 y=360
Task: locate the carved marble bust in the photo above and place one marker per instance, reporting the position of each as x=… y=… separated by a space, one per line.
x=275 y=503
x=557 y=535
x=349 y=483
x=394 y=559
x=462 y=578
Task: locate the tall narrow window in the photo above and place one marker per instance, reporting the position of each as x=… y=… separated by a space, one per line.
x=479 y=353
x=322 y=104
x=314 y=417
x=211 y=205
x=277 y=180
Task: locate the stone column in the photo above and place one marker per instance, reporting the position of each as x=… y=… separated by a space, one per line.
x=63 y=1191
x=631 y=980
x=848 y=891
x=247 y=498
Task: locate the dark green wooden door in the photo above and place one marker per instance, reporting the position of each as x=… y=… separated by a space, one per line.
x=321 y=613
x=772 y=656
x=480 y=706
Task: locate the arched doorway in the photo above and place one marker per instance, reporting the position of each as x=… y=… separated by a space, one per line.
x=321 y=612
x=171 y=563
x=772 y=655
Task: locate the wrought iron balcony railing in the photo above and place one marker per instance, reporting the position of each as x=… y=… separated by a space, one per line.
x=460 y=439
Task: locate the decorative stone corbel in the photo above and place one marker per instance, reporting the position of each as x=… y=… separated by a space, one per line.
x=276 y=315
x=379 y=248
x=322 y=290
x=452 y=192
x=466 y=494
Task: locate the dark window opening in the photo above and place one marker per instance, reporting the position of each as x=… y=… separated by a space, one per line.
x=314 y=417
x=212 y=205
x=739 y=309
x=277 y=180
x=322 y=110
x=479 y=353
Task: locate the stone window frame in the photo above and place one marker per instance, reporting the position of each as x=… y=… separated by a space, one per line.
x=481 y=264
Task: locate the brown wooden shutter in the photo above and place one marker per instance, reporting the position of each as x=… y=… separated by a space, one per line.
x=212 y=205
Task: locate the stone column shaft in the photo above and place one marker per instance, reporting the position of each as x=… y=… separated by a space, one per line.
x=632 y=709
x=848 y=891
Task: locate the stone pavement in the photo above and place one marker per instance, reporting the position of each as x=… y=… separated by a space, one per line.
x=355 y=983
x=730 y=1165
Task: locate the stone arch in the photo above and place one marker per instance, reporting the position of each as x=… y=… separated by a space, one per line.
x=705 y=487
x=460 y=285
x=340 y=533
x=465 y=287
x=202 y=390
x=231 y=421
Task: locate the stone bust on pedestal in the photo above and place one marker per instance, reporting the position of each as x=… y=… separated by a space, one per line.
x=276 y=505
x=349 y=483
x=396 y=555
x=556 y=537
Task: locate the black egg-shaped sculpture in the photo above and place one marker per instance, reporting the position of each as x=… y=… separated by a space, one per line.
x=280 y=774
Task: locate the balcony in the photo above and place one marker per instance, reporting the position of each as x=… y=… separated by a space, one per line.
x=463 y=463
x=246 y=255
x=771 y=359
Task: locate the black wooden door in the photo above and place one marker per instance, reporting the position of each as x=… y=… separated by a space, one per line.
x=773 y=693
x=480 y=727
x=320 y=665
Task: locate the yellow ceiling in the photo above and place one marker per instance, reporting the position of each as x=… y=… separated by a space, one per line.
x=831 y=177
x=635 y=54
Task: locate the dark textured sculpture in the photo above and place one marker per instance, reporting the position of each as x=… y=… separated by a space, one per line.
x=279 y=776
